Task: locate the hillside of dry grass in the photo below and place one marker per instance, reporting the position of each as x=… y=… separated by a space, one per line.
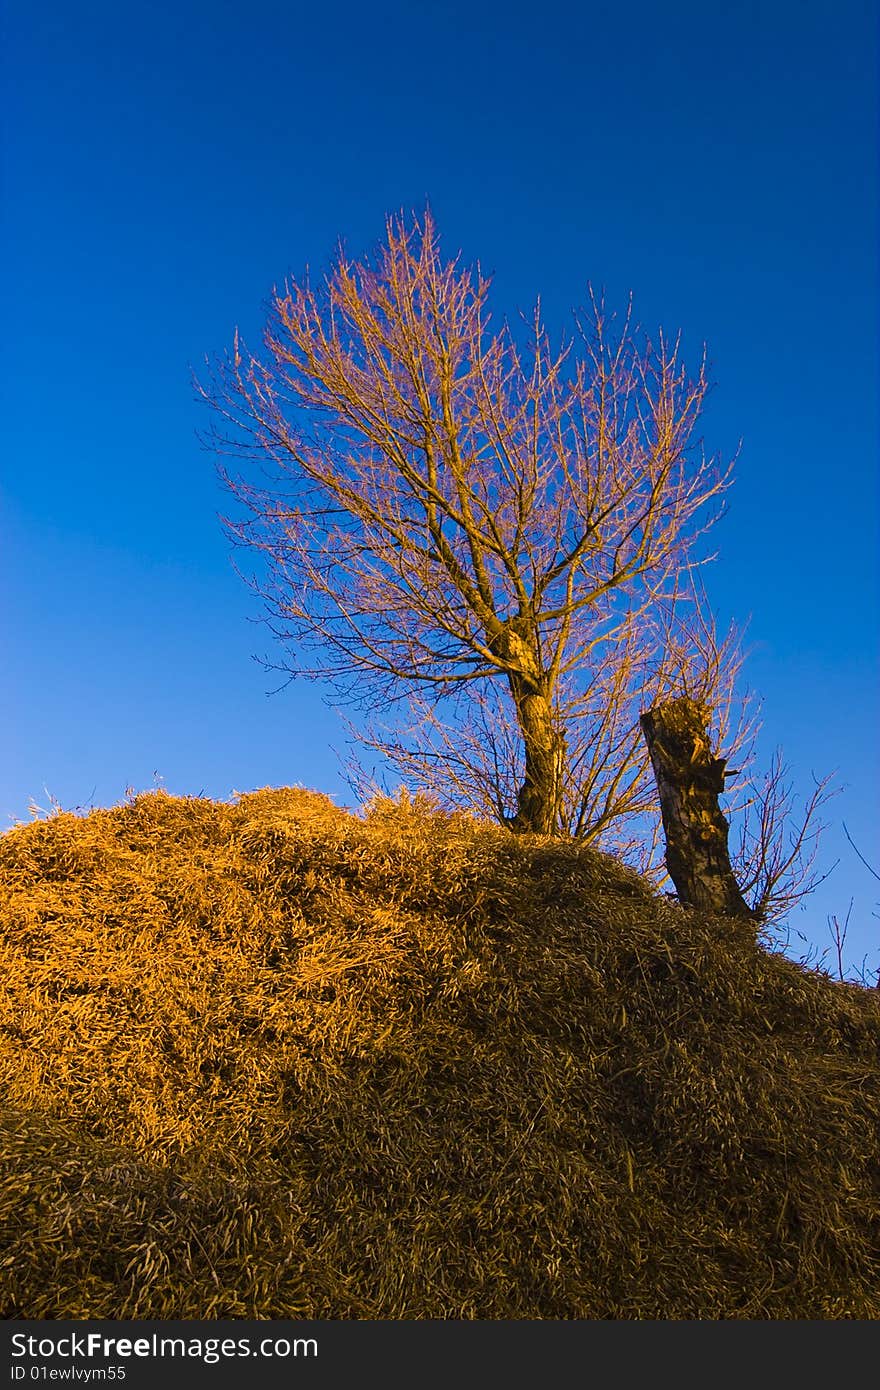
x=270 y=1059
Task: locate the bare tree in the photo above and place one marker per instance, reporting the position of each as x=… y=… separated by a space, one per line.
x=488 y=542
x=839 y=932
x=775 y=859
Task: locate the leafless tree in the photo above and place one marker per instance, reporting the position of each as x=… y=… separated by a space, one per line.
x=775 y=860
x=488 y=543
x=839 y=931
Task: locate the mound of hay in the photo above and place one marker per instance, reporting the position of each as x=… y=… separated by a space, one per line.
x=273 y=1060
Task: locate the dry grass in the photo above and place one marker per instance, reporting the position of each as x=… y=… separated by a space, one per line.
x=273 y=1060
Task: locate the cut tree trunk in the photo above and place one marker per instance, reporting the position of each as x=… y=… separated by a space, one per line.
x=689 y=781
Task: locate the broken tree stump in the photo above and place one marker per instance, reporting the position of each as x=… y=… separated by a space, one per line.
x=689 y=781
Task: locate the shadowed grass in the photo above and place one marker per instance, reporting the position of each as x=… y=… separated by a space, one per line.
x=269 y=1059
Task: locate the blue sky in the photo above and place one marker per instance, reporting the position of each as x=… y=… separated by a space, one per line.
x=164 y=165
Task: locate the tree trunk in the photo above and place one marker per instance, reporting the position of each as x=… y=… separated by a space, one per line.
x=539 y=800
x=689 y=781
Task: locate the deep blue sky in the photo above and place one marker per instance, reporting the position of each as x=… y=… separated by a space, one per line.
x=164 y=164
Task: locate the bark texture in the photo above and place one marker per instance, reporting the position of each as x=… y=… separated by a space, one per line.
x=539 y=798
x=689 y=781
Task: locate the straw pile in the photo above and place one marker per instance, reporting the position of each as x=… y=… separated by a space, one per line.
x=273 y=1060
